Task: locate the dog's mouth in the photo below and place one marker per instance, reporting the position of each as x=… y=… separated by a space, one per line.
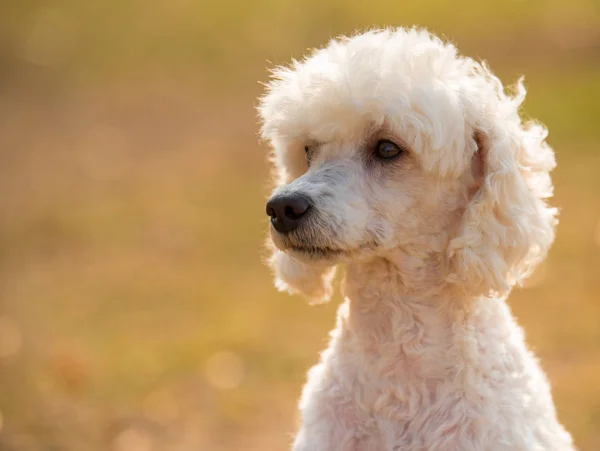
x=310 y=252
x=315 y=251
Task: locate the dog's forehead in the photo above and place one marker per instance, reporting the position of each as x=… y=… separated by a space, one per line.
x=343 y=128
x=339 y=148
x=333 y=110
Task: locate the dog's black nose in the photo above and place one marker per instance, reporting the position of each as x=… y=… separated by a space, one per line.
x=287 y=211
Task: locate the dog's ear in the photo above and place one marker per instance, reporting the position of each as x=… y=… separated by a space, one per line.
x=507 y=227
x=293 y=276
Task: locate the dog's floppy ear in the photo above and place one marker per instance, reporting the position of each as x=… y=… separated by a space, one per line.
x=507 y=227
x=293 y=276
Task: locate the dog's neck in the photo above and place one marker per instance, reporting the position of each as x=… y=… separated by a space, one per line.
x=400 y=278
x=402 y=308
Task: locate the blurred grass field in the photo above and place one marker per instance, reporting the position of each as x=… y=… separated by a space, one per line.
x=135 y=312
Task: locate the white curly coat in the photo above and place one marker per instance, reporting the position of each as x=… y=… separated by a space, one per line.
x=426 y=354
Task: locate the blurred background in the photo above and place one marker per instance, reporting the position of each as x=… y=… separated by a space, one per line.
x=135 y=311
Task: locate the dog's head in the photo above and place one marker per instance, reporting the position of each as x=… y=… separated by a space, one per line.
x=389 y=141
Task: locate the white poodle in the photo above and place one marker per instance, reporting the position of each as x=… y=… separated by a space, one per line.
x=410 y=165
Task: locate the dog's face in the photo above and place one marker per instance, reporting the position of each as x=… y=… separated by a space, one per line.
x=360 y=194
x=390 y=141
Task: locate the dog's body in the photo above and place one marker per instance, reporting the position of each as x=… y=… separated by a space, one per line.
x=411 y=165
x=405 y=373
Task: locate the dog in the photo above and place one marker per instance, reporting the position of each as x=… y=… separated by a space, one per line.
x=410 y=165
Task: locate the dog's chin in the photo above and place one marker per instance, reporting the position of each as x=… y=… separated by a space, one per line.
x=315 y=254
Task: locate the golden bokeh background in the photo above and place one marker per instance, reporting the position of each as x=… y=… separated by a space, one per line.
x=135 y=311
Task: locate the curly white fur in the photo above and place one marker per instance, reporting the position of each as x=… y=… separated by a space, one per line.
x=426 y=354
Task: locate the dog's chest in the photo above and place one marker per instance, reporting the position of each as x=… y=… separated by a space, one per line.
x=361 y=410
x=411 y=382
x=406 y=416
x=393 y=387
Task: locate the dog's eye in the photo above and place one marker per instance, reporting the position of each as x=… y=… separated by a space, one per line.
x=308 y=152
x=386 y=149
